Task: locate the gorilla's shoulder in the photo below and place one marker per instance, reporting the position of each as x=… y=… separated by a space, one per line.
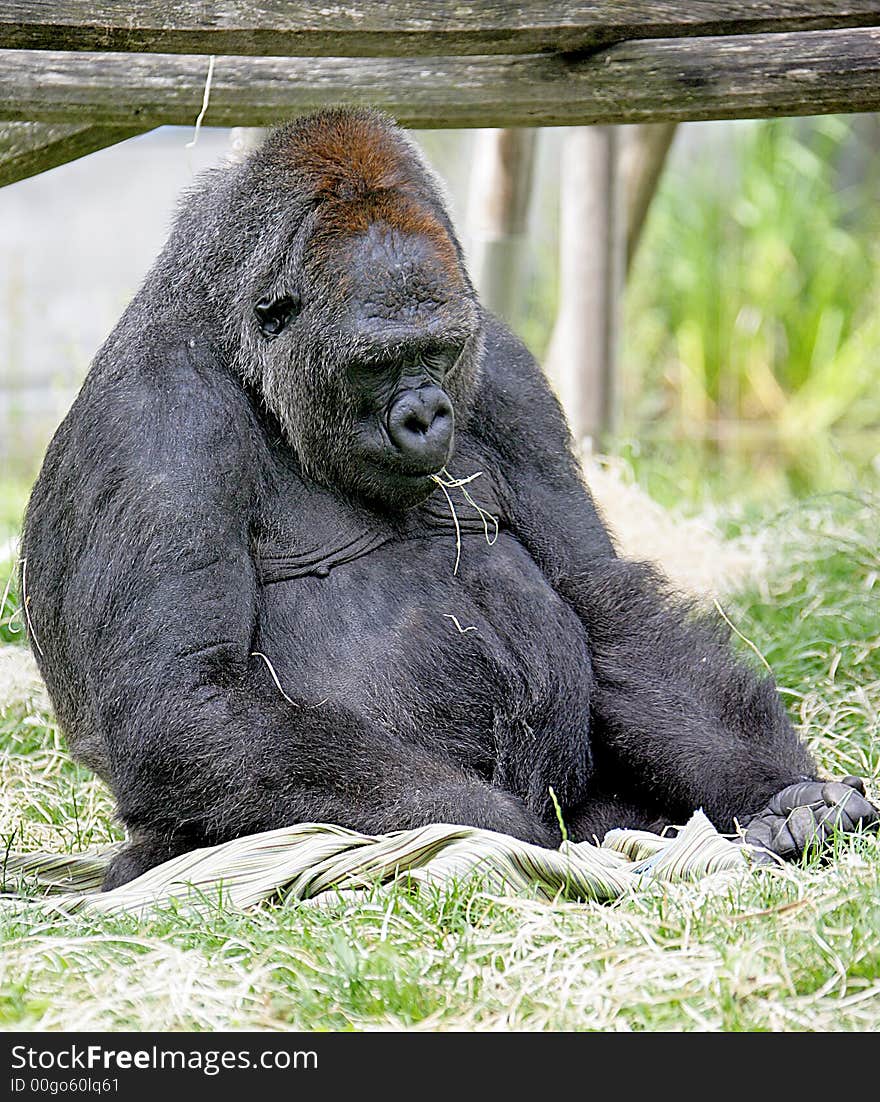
x=162 y=357
x=161 y=398
x=506 y=358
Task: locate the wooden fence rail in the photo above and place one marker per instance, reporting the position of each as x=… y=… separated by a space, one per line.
x=745 y=76
x=27 y=148
x=398 y=28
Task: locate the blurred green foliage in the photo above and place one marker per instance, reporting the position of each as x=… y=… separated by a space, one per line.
x=752 y=319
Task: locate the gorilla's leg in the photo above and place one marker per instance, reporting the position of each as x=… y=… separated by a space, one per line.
x=140 y=855
x=675 y=713
x=689 y=725
x=801 y=817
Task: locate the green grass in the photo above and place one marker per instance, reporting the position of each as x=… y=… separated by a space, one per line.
x=791 y=950
x=750 y=332
x=13 y=496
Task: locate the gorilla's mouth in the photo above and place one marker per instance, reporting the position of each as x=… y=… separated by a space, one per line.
x=382 y=480
x=418 y=483
x=418 y=476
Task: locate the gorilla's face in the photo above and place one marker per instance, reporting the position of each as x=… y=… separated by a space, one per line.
x=369 y=331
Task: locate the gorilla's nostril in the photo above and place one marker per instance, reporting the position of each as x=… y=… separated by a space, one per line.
x=416 y=424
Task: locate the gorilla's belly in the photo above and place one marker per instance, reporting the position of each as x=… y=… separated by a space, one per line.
x=397 y=636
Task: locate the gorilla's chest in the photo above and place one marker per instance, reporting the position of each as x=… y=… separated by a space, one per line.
x=429 y=624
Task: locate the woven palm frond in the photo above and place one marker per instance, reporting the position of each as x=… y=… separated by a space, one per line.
x=300 y=862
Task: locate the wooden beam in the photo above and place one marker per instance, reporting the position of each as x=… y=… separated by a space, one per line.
x=664 y=80
x=27 y=148
x=582 y=355
x=397 y=28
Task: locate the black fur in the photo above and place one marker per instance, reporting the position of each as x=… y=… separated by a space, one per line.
x=242 y=593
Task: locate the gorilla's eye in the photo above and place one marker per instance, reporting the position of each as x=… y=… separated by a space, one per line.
x=275 y=314
x=439 y=361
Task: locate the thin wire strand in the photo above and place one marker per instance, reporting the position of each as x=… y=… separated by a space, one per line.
x=27 y=611
x=449 y=482
x=442 y=486
x=457 y=622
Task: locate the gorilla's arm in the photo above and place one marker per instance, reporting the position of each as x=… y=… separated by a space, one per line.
x=677 y=719
x=159 y=578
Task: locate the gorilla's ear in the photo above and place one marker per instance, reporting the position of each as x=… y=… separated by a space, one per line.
x=275 y=314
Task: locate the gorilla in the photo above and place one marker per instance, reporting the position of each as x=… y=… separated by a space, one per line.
x=312 y=545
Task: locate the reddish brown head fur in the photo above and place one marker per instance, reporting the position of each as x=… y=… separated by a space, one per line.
x=344 y=155
x=361 y=172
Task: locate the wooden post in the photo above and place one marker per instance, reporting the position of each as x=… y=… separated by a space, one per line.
x=642 y=158
x=498 y=208
x=581 y=358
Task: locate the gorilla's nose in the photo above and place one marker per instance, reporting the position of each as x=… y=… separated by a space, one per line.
x=420 y=424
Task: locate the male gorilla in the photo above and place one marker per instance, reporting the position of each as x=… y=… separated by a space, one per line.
x=253 y=606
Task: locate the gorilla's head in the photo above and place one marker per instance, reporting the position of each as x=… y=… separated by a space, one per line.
x=353 y=315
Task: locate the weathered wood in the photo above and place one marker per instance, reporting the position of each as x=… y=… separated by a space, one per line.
x=27 y=148
x=396 y=28
x=583 y=349
x=643 y=155
x=747 y=76
x=498 y=207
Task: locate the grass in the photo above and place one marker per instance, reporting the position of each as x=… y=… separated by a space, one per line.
x=791 y=950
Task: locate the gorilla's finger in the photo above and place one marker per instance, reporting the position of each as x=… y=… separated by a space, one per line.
x=858 y=809
x=760 y=832
x=863 y=814
x=836 y=792
x=803 y=828
x=781 y=841
x=764 y=855
x=835 y=818
x=855 y=782
x=805 y=793
x=868 y=816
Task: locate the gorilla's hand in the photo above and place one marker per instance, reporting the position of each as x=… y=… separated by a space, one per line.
x=808 y=814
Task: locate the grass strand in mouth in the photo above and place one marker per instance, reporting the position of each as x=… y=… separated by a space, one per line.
x=447 y=482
